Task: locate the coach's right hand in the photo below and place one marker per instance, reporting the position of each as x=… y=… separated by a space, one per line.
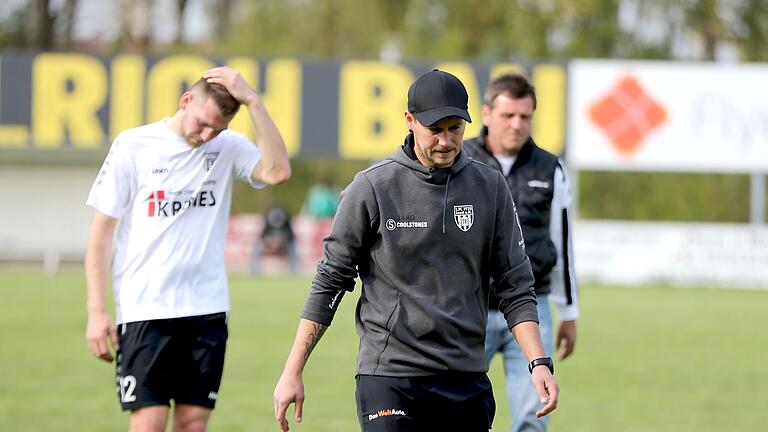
x=289 y=389
x=547 y=388
x=100 y=329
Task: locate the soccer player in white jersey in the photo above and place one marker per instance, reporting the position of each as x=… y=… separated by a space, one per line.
x=166 y=188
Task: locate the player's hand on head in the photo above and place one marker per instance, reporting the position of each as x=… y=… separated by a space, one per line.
x=100 y=333
x=233 y=81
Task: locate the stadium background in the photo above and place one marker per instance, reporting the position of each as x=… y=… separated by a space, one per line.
x=675 y=202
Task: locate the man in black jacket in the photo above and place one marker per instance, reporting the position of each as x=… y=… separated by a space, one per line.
x=542 y=194
x=425 y=230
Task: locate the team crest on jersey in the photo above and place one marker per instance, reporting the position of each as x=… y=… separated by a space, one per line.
x=210 y=158
x=464 y=215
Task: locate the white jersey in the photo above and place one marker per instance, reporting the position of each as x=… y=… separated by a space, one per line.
x=173 y=202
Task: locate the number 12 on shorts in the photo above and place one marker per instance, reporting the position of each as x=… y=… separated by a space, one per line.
x=127 y=385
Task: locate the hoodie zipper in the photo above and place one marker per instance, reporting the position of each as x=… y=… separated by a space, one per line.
x=445 y=201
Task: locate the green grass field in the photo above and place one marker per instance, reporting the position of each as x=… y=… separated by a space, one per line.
x=648 y=359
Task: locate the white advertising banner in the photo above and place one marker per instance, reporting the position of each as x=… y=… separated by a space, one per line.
x=722 y=255
x=666 y=116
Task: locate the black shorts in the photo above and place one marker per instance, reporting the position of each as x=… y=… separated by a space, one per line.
x=451 y=402
x=179 y=359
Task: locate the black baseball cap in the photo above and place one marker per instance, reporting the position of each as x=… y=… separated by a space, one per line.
x=437 y=95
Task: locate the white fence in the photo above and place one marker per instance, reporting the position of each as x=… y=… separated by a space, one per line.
x=726 y=255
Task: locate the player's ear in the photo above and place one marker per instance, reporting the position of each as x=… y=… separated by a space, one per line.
x=185 y=99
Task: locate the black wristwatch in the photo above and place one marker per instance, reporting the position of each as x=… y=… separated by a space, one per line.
x=542 y=361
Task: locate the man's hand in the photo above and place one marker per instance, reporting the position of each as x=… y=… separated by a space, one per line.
x=289 y=389
x=565 y=341
x=100 y=332
x=547 y=388
x=233 y=82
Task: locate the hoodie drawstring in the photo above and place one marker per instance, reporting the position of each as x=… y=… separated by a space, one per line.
x=445 y=201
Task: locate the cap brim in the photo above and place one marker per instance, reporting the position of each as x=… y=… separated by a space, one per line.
x=434 y=115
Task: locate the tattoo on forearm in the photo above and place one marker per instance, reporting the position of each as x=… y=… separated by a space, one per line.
x=313 y=338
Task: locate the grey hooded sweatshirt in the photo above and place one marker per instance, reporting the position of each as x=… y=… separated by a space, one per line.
x=425 y=244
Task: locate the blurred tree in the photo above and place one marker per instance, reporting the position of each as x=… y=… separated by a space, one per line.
x=68 y=15
x=533 y=30
x=222 y=13
x=651 y=27
x=137 y=20
x=391 y=39
x=134 y=35
x=752 y=33
x=590 y=27
x=703 y=19
x=12 y=29
x=490 y=30
x=41 y=25
x=423 y=29
x=308 y=28
x=181 y=6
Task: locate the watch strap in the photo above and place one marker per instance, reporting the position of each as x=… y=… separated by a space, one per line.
x=542 y=361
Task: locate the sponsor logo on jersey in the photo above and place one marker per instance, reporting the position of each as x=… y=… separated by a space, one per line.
x=159 y=171
x=464 y=215
x=404 y=221
x=386 y=413
x=160 y=205
x=213 y=395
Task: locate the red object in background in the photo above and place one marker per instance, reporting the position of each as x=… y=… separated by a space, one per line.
x=627 y=115
x=243 y=234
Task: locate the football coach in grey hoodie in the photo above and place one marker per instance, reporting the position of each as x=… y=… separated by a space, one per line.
x=425 y=231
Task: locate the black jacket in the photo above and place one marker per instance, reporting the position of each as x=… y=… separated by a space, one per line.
x=530 y=181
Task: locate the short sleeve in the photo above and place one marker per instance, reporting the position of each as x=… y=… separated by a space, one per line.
x=111 y=191
x=246 y=156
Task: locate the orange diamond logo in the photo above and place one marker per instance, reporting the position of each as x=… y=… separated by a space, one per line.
x=627 y=115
